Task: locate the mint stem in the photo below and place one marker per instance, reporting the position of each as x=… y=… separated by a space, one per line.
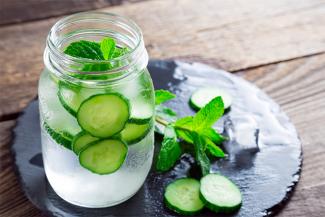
x=165 y=123
x=161 y=121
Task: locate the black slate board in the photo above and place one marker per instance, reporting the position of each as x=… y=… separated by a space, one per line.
x=266 y=176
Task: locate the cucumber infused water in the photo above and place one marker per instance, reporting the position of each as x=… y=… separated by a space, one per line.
x=96 y=107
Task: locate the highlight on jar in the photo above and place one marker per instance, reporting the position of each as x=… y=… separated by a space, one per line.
x=96 y=101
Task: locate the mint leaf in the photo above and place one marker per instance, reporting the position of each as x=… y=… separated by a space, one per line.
x=170 y=150
x=209 y=114
x=213 y=135
x=184 y=135
x=185 y=123
x=107 y=46
x=200 y=155
x=184 y=128
x=162 y=96
x=119 y=51
x=84 y=49
x=166 y=114
x=96 y=67
x=213 y=149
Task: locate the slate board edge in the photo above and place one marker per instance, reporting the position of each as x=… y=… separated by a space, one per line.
x=13 y=155
x=272 y=211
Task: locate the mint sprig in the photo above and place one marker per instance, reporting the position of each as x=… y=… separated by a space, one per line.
x=162 y=96
x=84 y=49
x=106 y=49
x=170 y=150
x=196 y=130
x=107 y=46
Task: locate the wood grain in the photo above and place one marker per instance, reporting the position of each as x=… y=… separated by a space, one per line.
x=299 y=87
x=229 y=34
x=16 y=11
x=234 y=35
x=13 y=203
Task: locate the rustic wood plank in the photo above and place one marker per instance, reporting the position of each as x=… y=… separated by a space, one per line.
x=16 y=11
x=230 y=34
x=299 y=87
x=13 y=203
x=306 y=202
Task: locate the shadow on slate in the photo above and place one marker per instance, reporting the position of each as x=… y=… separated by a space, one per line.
x=266 y=176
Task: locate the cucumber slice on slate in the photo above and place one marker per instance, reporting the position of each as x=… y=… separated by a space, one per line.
x=104 y=115
x=220 y=194
x=183 y=196
x=135 y=130
x=203 y=96
x=104 y=156
x=81 y=140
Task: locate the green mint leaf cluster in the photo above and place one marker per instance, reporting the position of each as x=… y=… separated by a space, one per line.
x=196 y=130
x=85 y=49
x=106 y=49
x=162 y=96
x=170 y=150
x=107 y=46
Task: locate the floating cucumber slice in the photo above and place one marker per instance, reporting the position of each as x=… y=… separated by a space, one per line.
x=203 y=96
x=135 y=130
x=104 y=115
x=62 y=138
x=183 y=196
x=220 y=194
x=71 y=96
x=81 y=140
x=104 y=156
x=141 y=110
x=58 y=123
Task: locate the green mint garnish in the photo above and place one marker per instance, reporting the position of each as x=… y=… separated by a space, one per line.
x=170 y=150
x=85 y=49
x=213 y=149
x=104 y=50
x=209 y=114
x=196 y=130
x=107 y=46
x=212 y=135
x=200 y=155
x=162 y=96
x=119 y=52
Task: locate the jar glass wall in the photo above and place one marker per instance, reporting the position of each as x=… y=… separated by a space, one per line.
x=69 y=97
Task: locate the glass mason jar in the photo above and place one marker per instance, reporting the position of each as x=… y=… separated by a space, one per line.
x=64 y=87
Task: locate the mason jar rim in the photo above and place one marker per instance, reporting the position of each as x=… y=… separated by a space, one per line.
x=97 y=16
x=95 y=24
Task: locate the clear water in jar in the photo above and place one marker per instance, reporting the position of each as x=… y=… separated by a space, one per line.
x=68 y=178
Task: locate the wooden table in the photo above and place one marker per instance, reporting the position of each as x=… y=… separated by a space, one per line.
x=279 y=45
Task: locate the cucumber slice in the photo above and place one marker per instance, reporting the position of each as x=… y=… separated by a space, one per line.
x=103 y=115
x=71 y=96
x=81 y=140
x=104 y=156
x=183 y=196
x=63 y=138
x=141 y=110
x=135 y=130
x=203 y=96
x=58 y=123
x=220 y=194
